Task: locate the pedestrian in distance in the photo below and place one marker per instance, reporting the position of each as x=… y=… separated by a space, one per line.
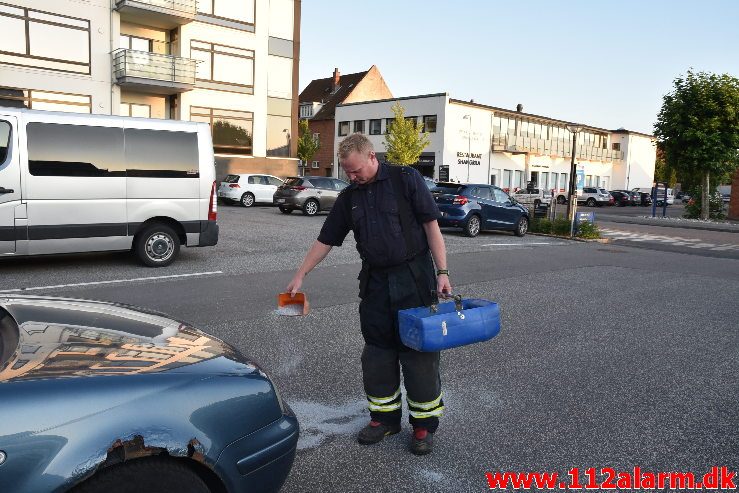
x=393 y=217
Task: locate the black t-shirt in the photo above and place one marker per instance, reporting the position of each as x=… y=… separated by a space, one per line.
x=371 y=211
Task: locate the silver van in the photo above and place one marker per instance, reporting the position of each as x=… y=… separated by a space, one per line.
x=84 y=183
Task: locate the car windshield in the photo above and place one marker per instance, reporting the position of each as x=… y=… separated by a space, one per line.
x=448 y=188
x=293 y=182
x=231 y=179
x=603 y=190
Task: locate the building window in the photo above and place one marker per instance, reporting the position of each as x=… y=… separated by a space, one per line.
x=232 y=130
x=238 y=10
x=359 y=126
x=343 y=129
x=413 y=119
x=316 y=137
x=375 y=127
x=616 y=146
x=429 y=123
x=223 y=64
x=32 y=38
x=133 y=109
x=129 y=42
x=315 y=165
x=45 y=100
x=388 y=124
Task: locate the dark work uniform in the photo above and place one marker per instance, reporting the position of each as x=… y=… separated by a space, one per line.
x=394 y=276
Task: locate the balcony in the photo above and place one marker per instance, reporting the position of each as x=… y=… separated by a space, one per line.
x=166 y=14
x=153 y=72
x=560 y=148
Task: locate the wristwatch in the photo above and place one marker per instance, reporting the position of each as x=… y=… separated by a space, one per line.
x=442 y=271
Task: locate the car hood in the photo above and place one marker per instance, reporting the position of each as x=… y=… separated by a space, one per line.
x=67 y=338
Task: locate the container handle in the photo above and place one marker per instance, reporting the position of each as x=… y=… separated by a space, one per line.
x=457 y=304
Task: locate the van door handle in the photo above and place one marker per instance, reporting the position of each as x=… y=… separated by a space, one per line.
x=6 y=190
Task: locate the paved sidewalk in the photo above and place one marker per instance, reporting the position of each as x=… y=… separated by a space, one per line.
x=728 y=226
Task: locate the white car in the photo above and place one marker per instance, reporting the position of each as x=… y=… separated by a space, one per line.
x=592 y=196
x=248 y=189
x=533 y=196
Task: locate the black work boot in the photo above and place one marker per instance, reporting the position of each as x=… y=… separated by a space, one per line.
x=375 y=431
x=422 y=442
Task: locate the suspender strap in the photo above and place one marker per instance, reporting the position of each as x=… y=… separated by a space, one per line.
x=404 y=211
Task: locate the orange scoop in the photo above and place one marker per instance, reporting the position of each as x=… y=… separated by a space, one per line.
x=292 y=305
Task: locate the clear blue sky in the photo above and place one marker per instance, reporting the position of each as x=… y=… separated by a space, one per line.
x=606 y=64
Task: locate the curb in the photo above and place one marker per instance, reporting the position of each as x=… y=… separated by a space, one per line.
x=668 y=224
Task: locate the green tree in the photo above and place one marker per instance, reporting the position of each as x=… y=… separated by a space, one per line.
x=405 y=140
x=698 y=128
x=307 y=145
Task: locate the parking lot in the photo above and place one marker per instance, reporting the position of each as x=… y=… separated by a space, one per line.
x=608 y=356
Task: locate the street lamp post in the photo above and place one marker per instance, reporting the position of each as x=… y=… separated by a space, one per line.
x=572 y=202
x=469 y=146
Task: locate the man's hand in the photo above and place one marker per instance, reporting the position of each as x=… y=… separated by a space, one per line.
x=443 y=286
x=295 y=284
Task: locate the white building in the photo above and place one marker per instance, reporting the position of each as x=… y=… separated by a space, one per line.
x=231 y=64
x=471 y=142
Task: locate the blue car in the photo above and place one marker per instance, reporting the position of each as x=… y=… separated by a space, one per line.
x=102 y=397
x=476 y=208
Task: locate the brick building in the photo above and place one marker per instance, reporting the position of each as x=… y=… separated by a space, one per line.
x=318 y=103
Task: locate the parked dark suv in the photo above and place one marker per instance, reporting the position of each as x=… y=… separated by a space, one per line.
x=476 y=208
x=311 y=194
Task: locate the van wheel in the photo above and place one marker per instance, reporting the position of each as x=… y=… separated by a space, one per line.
x=521 y=226
x=561 y=199
x=284 y=209
x=537 y=202
x=157 y=245
x=311 y=208
x=472 y=227
x=247 y=200
x=144 y=475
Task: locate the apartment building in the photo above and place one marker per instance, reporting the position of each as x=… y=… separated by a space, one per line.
x=472 y=142
x=232 y=64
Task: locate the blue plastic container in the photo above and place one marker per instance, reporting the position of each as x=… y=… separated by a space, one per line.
x=451 y=325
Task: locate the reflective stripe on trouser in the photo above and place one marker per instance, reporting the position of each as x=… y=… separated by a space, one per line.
x=385 y=404
x=430 y=409
x=381 y=376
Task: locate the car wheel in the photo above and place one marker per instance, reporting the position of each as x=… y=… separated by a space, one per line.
x=157 y=245
x=311 y=207
x=247 y=200
x=521 y=226
x=590 y=202
x=149 y=475
x=472 y=227
x=536 y=203
x=284 y=210
x=561 y=199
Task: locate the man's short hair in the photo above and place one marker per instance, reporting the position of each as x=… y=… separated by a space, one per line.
x=356 y=142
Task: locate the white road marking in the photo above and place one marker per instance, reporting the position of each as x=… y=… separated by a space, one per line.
x=520 y=244
x=39 y=288
x=673 y=240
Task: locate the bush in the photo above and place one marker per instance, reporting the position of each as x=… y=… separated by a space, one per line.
x=541 y=225
x=588 y=230
x=715 y=205
x=561 y=227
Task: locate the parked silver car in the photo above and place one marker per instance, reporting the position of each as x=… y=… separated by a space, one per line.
x=311 y=194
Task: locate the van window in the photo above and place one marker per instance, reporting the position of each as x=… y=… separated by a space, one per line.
x=74 y=150
x=4 y=141
x=161 y=154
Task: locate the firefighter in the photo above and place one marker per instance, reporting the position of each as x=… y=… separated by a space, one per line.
x=394 y=219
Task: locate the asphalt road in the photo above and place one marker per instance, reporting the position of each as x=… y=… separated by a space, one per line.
x=608 y=356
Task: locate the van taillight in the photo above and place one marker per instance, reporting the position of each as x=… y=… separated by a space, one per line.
x=213 y=205
x=460 y=200
x=234 y=185
x=298 y=188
